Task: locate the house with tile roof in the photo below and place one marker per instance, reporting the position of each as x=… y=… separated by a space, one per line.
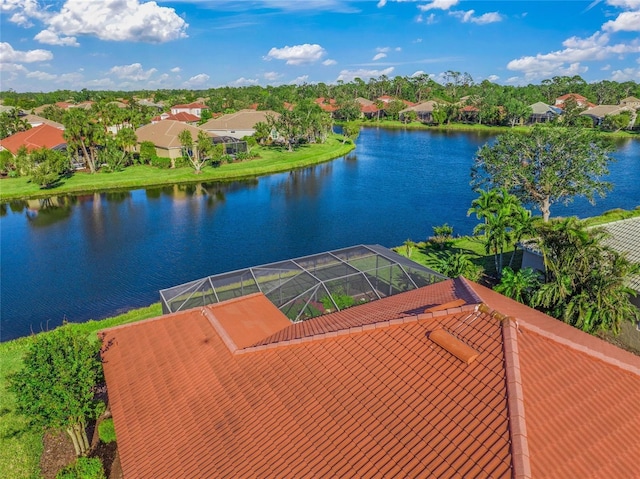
x=35 y=120
x=631 y=101
x=446 y=380
x=239 y=124
x=543 y=113
x=424 y=111
x=598 y=113
x=194 y=108
x=164 y=136
x=42 y=136
x=580 y=100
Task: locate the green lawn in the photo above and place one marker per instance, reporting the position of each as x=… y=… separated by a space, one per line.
x=272 y=160
x=21 y=445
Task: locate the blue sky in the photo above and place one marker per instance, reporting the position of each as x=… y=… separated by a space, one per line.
x=136 y=44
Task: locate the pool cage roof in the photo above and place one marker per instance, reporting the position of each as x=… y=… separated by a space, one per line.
x=306 y=287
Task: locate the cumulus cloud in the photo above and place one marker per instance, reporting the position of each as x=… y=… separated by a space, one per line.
x=379 y=56
x=197 y=80
x=51 y=38
x=242 y=81
x=176 y=70
x=9 y=55
x=133 y=72
x=119 y=20
x=626 y=74
x=438 y=5
x=350 y=75
x=625 y=22
x=299 y=80
x=271 y=76
x=493 y=78
x=328 y=62
x=297 y=54
x=23 y=11
x=12 y=67
x=42 y=76
x=469 y=17
x=595 y=47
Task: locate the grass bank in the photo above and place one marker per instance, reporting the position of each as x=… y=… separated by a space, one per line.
x=21 y=444
x=272 y=160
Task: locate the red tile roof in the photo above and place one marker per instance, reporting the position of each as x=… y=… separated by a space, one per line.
x=370 y=393
x=183 y=116
x=40 y=136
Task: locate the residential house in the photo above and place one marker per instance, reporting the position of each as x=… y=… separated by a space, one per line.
x=580 y=100
x=368 y=108
x=191 y=108
x=424 y=111
x=327 y=104
x=164 y=135
x=543 y=113
x=182 y=117
x=446 y=380
x=239 y=124
x=631 y=101
x=35 y=120
x=42 y=136
x=598 y=113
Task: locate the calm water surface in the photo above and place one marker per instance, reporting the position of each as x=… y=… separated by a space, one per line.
x=93 y=256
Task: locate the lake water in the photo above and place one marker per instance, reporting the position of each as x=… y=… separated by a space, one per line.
x=93 y=256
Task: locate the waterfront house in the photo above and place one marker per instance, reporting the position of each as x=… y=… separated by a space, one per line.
x=543 y=113
x=445 y=380
x=42 y=136
x=424 y=111
x=164 y=136
x=239 y=124
x=598 y=113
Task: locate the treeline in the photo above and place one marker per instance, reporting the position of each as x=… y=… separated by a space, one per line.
x=451 y=88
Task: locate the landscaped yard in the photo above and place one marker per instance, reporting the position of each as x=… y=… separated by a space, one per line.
x=272 y=160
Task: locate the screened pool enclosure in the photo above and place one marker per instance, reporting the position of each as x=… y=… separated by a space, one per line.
x=306 y=287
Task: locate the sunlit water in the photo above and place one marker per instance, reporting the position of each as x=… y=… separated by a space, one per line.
x=93 y=256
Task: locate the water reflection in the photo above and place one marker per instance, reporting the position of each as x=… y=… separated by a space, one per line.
x=303 y=183
x=46 y=211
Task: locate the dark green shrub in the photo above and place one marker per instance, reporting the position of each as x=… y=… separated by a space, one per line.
x=442 y=235
x=243 y=156
x=182 y=162
x=160 y=162
x=342 y=301
x=83 y=468
x=147 y=152
x=106 y=431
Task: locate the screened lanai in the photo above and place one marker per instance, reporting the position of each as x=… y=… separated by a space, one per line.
x=306 y=287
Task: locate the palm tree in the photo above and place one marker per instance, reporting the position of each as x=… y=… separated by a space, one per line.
x=518 y=285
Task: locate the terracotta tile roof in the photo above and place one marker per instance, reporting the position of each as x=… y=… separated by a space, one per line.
x=40 y=136
x=386 y=398
x=184 y=117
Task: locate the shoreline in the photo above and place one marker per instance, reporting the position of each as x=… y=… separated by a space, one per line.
x=145 y=176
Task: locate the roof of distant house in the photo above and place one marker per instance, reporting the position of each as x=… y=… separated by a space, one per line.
x=630 y=99
x=425 y=106
x=541 y=108
x=448 y=380
x=601 y=111
x=46 y=136
x=190 y=106
x=35 y=120
x=164 y=134
x=625 y=238
x=364 y=101
x=240 y=120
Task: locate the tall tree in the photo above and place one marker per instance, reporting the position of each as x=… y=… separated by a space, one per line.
x=56 y=387
x=83 y=135
x=197 y=152
x=545 y=166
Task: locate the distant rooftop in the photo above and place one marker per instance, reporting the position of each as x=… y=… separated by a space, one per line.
x=309 y=286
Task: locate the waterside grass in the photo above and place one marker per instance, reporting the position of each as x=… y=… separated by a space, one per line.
x=271 y=160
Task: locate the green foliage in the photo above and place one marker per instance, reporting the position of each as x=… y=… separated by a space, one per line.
x=545 y=166
x=147 y=152
x=442 y=235
x=7 y=162
x=459 y=264
x=47 y=166
x=83 y=468
x=617 y=122
x=112 y=158
x=585 y=280
x=107 y=431
x=55 y=388
x=351 y=130
x=340 y=299
x=161 y=162
x=519 y=285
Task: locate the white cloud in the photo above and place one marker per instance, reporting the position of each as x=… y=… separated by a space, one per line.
x=513 y=80
x=468 y=16
x=12 y=67
x=379 y=56
x=50 y=38
x=133 y=72
x=625 y=22
x=116 y=20
x=493 y=78
x=626 y=74
x=9 y=55
x=100 y=83
x=299 y=80
x=242 y=81
x=418 y=73
x=438 y=5
x=197 y=80
x=350 y=75
x=42 y=76
x=606 y=68
x=297 y=54
x=271 y=76
x=176 y=70
x=328 y=62
x=382 y=3
x=23 y=11
x=595 y=47
x=383 y=49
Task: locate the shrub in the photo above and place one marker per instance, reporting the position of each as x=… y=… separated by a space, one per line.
x=342 y=301
x=441 y=235
x=106 y=431
x=160 y=162
x=147 y=152
x=227 y=158
x=243 y=156
x=83 y=468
